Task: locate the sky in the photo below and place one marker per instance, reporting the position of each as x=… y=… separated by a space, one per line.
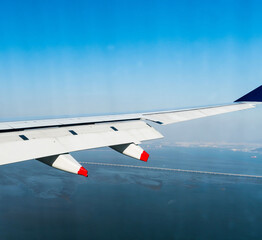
x=65 y=58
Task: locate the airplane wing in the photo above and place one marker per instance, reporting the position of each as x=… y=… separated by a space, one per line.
x=51 y=141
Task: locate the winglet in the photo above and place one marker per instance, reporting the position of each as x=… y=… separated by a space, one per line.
x=253 y=96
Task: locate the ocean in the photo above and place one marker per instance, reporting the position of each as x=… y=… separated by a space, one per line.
x=118 y=202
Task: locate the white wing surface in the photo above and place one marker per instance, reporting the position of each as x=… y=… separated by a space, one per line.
x=50 y=141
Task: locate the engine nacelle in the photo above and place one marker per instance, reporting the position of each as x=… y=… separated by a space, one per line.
x=65 y=162
x=132 y=150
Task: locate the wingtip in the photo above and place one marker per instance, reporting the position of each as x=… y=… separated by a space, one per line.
x=253 y=96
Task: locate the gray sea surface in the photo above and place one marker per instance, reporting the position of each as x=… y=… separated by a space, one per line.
x=117 y=202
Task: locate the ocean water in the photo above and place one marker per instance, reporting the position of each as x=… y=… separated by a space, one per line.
x=38 y=202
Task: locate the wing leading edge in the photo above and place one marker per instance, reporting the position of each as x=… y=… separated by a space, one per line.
x=50 y=141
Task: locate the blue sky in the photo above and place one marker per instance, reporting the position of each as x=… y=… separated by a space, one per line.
x=95 y=57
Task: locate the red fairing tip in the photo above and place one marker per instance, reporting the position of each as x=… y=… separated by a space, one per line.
x=83 y=171
x=144 y=156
